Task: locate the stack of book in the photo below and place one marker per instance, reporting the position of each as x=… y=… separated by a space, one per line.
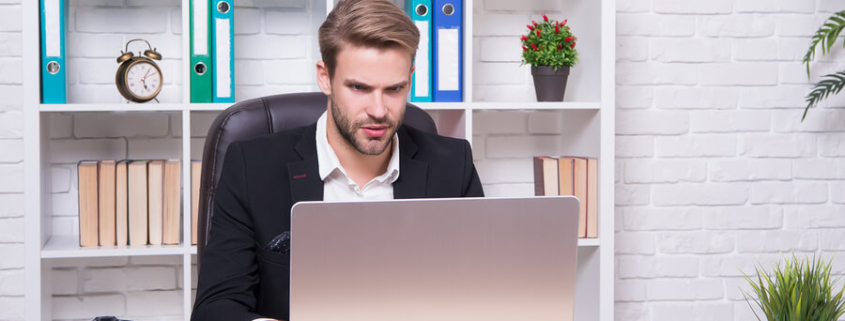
x=132 y=202
x=568 y=175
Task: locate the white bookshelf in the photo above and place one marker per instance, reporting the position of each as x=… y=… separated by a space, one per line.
x=76 y=108
x=58 y=247
x=595 y=107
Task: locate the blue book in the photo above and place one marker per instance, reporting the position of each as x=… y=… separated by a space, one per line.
x=53 y=67
x=223 y=56
x=448 y=50
x=420 y=13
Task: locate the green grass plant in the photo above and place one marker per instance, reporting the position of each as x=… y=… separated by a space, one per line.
x=800 y=290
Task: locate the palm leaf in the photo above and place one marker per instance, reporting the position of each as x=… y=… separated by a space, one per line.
x=830 y=84
x=826 y=36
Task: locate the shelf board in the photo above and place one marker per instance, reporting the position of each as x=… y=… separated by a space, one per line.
x=516 y=105
x=587 y=105
x=426 y=106
x=441 y=106
x=109 y=107
x=152 y=107
x=591 y=242
x=68 y=247
x=209 y=106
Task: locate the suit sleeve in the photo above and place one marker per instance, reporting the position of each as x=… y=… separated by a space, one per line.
x=472 y=184
x=228 y=276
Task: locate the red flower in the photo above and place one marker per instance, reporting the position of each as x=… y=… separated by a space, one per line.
x=545 y=18
x=572 y=45
x=534 y=22
x=568 y=39
x=557 y=28
x=523 y=38
x=538 y=33
x=534 y=46
x=524 y=48
x=564 y=22
x=530 y=27
x=559 y=46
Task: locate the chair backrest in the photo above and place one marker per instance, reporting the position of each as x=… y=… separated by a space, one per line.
x=262 y=116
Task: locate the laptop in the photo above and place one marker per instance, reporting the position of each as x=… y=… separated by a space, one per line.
x=434 y=259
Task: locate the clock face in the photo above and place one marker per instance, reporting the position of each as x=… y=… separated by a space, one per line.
x=143 y=80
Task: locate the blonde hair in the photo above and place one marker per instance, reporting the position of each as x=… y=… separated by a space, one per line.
x=368 y=23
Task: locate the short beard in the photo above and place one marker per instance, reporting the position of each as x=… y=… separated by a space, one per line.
x=347 y=130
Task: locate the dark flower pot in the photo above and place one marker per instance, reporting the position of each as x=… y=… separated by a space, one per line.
x=549 y=85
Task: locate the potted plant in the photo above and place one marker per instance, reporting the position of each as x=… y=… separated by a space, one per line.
x=549 y=47
x=798 y=291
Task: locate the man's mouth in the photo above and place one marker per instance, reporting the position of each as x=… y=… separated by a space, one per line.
x=375 y=131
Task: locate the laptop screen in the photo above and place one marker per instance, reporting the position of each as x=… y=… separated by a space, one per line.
x=434 y=259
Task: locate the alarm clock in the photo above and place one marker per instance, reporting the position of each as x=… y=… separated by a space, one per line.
x=138 y=78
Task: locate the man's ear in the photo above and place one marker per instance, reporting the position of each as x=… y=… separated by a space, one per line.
x=323 y=79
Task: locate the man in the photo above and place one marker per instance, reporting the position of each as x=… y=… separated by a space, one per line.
x=357 y=150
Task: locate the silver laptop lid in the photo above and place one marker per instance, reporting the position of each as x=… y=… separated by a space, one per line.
x=434 y=259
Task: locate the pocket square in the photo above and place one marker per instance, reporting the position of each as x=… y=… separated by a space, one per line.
x=280 y=243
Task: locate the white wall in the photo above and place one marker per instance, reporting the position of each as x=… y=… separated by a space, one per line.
x=715 y=169
x=11 y=164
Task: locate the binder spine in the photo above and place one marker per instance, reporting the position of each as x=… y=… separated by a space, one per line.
x=53 y=65
x=421 y=82
x=223 y=55
x=448 y=50
x=201 y=71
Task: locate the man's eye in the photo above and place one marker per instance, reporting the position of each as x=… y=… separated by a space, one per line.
x=358 y=87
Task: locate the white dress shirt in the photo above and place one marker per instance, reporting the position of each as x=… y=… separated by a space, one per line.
x=337 y=186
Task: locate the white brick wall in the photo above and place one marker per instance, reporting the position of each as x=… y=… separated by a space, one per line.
x=138 y=288
x=718 y=173
x=12 y=284
x=714 y=171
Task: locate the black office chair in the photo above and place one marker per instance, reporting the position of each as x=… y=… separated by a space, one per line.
x=262 y=116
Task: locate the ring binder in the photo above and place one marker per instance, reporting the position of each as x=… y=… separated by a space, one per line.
x=420 y=13
x=223 y=58
x=53 y=74
x=448 y=50
x=201 y=75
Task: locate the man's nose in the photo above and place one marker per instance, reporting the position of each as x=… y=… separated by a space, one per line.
x=377 y=109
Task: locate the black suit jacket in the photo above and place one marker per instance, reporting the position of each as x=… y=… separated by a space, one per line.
x=263 y=177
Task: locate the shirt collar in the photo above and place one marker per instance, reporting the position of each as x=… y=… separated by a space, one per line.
x=328 y=162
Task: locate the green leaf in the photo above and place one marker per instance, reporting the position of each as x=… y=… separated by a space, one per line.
x=826 y=35
x=800 y=290
x=830 y=84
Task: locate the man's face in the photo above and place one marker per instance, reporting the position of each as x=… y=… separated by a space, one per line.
x=367 y=95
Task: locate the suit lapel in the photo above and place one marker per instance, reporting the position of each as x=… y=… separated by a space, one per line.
x=412 y=173
x=304 y=175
